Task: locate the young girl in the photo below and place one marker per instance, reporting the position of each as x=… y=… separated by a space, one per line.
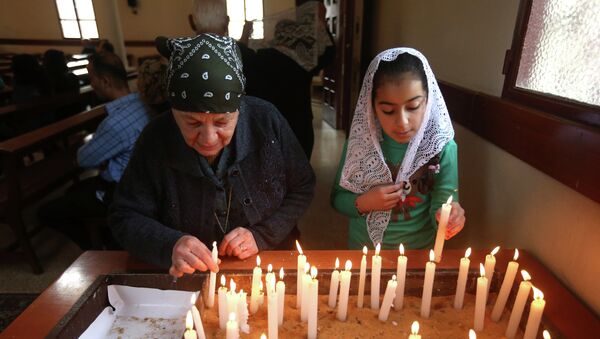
x=399 y=164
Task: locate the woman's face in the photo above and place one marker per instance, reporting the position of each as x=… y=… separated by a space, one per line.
x=399 y=106
x=207 y=133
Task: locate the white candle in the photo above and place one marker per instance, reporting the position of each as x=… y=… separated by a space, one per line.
x=388 y=298
x=472 y=334
x=305 y=297
x=401 y=276
x=480 y=299
x=212 y=280
x=197 y=319
x=299 y=275
x=375 y=278
x=441 y=231
x=232 y=299
x=270 y=277
x=507 y=283
x=263 y=336
x=242 y=312
x=428 y=286
x=334 y=284
x=546 y=335
x=490 y=264
x=519 y=305
x=280 y=297
x=233 y=331
x=461 y=282
x=362 y=278
x=273 y=318
x=414 y=331
x=256 y=279
x=189 y=331
x=313 y=303
x=535 y=314
x=345 y=277
x=223 y=304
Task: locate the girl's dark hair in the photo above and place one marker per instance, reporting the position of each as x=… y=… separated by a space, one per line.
x=404 y=63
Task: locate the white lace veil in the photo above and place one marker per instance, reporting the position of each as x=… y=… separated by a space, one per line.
x=365 y=165
x=300 y=33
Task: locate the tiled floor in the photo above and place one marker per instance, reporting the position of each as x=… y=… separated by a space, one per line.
x=321 y=226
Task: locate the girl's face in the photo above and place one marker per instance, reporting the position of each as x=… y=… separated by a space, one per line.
x=399 y=106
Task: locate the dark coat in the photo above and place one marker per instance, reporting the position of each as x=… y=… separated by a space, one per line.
x=164 y=193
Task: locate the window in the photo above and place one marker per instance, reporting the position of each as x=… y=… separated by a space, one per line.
x=553 y=64
x=77 y=19
x=240 y=11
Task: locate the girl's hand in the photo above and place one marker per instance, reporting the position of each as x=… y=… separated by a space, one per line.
x=456 y=220
x=379 y=198
x=189 y=255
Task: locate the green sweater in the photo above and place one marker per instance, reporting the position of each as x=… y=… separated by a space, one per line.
x=419 y=229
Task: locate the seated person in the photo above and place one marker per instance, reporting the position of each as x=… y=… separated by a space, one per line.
x=152 y=85
x=28 y=79
x=60 y=80
x=399 y=164
x=109 y=149
x=220 y=166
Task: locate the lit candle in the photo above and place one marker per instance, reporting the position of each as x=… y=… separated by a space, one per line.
x=233 y=331
x=223 y=304
x=212 y=281
x=272 y=304
x=472 y=334
x=388 y=298
x=519 y=305
x=401 y=276
x=242 y=312
x=546 y=335
x=256 y=279
x=345 y=277
x=507 y=283
x=263 y=336
x=362 y=278
x=313 y=303
x=441 y=231
x=232 y=299
x=428 y=286
x=270 y=277
x=461 y=283
x=535 y=314
x=414 y=331
x=480 y=299
x=280 y=297
x=305 y=297
x=375 y=278
x=189 y=331
x=334 y=284
x=490 y=263
x=299 y=275
x=197 y=319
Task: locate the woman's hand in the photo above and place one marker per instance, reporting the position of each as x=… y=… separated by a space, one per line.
x=189 y=255
x=247 y=32
x=239 y=243
x=456 y=220
x=379 y=198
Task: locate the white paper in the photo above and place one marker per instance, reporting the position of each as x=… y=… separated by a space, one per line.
x=141 y=313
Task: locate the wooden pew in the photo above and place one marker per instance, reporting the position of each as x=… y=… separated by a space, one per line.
x=23 y=184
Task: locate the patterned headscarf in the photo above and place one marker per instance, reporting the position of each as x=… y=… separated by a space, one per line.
x=204 y=74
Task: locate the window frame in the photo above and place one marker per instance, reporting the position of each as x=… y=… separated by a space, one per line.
x=572 y=110
x=263 y=16
x=78 y=22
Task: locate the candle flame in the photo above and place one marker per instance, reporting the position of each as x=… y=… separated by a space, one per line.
x=313 y=272
x=537 y=294
x=348 y=265
x=449 y=201
x=394 y=277
x=263 y=336
x=232 y=286
x=468 y=252
x=431 y=255
x=214 y=244
x=281 y=273
x=232 y=316
x=546 y=334
x=299 y=248
x=270 y=268
x=258 y=261
x=193 y=299
x=414 y=328
x=223 y=280
x=516 y=256
x=481 y=270
x=401 y=249
x=495 y=250
x=365 y=250
x=472 y=334
x=306 y=268
x=189 y=322
x=337 y=263
x=525 y=275
x=377 y=249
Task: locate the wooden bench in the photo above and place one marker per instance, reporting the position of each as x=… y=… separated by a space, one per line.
x=23 y=184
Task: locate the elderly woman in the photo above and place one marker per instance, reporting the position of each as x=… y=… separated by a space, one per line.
x=220 y=166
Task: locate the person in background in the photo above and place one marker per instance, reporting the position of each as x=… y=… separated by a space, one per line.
x=152 y=85
x=60 y=81
x=28 y=79
x=108 y=150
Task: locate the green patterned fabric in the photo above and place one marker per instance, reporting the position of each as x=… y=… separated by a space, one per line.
x=204 y=74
